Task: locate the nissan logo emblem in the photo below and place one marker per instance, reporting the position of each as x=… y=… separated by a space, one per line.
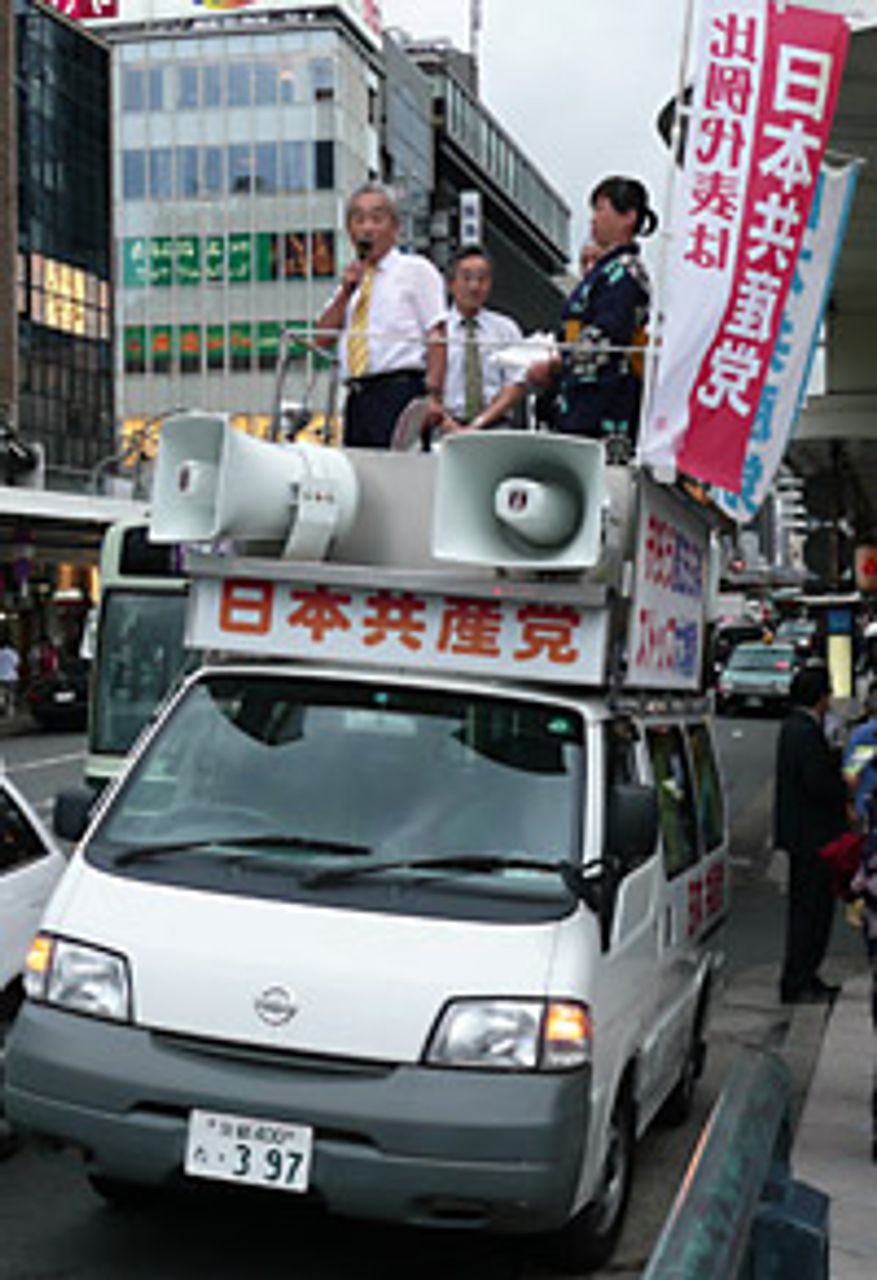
x=275 y=1006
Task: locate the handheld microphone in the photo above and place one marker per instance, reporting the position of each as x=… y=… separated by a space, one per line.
x=363 y=249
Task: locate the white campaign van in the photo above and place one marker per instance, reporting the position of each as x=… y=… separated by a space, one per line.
x=408 y=903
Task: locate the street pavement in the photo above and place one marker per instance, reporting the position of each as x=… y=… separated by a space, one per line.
x=830 y=1052
x=832 y=1148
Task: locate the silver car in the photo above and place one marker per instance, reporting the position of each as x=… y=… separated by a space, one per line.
x=757 y=677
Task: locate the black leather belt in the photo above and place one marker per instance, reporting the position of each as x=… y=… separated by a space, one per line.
x=356 y=385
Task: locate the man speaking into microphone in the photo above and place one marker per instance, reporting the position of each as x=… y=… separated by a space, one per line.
x=391 y=312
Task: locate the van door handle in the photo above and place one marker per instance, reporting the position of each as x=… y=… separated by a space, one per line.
x=668 y=926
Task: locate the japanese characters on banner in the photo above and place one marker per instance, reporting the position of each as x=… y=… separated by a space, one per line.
x=86 y=8
x=366 y=14
x=400 y=629
x=665 y=641
x=766 y=88
x=788 y=376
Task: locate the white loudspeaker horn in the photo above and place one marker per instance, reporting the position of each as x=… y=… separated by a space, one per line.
x=520 y=501
x=212 y=482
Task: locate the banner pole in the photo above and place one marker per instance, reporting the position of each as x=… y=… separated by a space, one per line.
x=656 y=322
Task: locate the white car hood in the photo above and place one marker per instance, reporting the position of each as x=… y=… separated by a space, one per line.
x=363 y=984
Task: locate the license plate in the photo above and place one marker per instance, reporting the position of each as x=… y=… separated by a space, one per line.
x=753 y=701
x=64 y=695
x=249 y=1150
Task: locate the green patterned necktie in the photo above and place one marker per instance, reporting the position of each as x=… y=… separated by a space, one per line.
x=473 y=383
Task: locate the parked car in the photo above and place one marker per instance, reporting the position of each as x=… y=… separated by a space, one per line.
x=59 y=700
x=30 y=866
x=757 y=677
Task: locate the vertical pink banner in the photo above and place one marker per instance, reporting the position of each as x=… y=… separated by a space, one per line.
x=803 y=59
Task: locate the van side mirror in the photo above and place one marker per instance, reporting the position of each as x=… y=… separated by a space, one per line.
x=72 y=812
x=632 y=823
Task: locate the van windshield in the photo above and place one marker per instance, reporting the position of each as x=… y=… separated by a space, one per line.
x=328 y=771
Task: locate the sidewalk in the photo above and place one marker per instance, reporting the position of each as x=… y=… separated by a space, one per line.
x=832 y=1150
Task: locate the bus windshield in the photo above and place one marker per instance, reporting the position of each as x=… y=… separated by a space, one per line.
x=141 y=649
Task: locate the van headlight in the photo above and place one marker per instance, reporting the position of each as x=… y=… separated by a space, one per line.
x=78 y=977
x=512 y=1035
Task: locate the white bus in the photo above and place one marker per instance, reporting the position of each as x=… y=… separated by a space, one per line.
x=139 y=648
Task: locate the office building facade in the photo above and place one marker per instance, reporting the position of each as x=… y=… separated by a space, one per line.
x=62 y=342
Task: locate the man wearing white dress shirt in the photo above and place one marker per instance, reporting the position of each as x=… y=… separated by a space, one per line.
x=479 y=391
x=391 y=312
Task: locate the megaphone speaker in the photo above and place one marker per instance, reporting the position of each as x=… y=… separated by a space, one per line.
x=520 y=501
x=212 y=481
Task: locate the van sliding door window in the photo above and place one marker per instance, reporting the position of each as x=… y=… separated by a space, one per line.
x=707 y=787
x=675 y=801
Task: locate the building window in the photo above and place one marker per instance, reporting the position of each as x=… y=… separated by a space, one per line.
x=133 y=89
x=265 y=84
x=287 y=85
x=265 y=167
x=134 y=175
x=293 y=176
x=156 y=89
x=212 y=86
x=240 y=167
x=295 y=256
x=160 y=173
x=214 y=171
x=324 y=165
x=322 y=73
x=187 y=171
x=187 y=88
x=240 y=84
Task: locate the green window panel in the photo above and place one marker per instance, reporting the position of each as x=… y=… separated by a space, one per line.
x=161 y=346
x=188 y=260
x=135 y=262
x=240 y=258
x=135 y=348
x=161 y=260
x=190 y=348
x=214 y=258
x=240 y=344
x=216 y=346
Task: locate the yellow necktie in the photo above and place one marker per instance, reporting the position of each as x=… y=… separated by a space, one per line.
x=357 y=334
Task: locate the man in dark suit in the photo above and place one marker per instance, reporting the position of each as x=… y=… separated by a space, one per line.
x=809 y=810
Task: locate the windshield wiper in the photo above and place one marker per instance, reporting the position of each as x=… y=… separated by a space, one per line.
x=143 y=853
x=484 y=863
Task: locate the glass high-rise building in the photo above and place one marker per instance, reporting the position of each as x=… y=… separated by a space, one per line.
x=63 y=276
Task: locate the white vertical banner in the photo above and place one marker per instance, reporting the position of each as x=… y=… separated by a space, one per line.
x=767 y=82
x=706 y=233
x=785 y=389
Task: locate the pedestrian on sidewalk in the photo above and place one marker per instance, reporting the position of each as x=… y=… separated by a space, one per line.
x=9 y=663
x=810 y=809
x=865 y=886
x=860 y=758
